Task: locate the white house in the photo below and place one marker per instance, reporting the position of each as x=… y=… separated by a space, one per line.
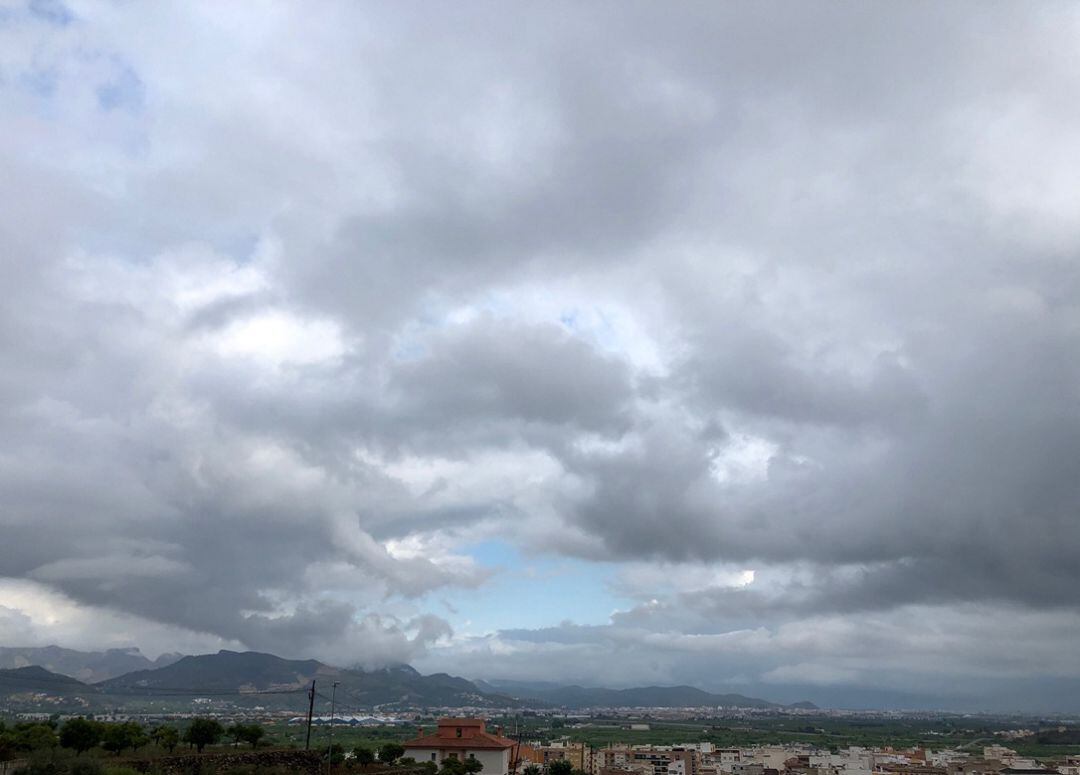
x=464 y=738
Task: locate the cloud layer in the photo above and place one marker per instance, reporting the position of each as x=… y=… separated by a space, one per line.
x=770 y=310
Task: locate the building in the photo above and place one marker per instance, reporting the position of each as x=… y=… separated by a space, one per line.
x=464 y=738
x=545 y=754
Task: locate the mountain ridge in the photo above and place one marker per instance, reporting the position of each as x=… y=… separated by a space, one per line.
x=575 y=696
x=258 y=674
x=86 y=666
x=252 y=673
x=34 y=679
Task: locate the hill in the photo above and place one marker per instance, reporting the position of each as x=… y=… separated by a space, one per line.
x=254 y=677
x=639 y=697
x=87 y=666
x=255 y=674
x=224 y=672
x=404 y=687
x=38 y=680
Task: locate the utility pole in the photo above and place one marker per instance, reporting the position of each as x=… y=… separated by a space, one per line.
x=517 y=753
x=330 y=745
x=310 y=710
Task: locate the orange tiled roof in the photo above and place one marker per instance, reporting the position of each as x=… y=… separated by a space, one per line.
x=478 y=740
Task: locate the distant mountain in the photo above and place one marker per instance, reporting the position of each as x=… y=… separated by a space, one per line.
x=251 y=672
x=88 y=666
x=225 y=671
x=403 y=686
x=271 y=680
x=38 y=680
x=641 y=697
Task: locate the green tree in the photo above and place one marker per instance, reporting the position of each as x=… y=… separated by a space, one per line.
x=117 y=737
x=234 y=733
x=252 y=734
x=165 y=736
x=390 y=752
x=7 y=744
x=80 y=734
x=531 y=769
x=455 y=766
x=364 y=756
x=431 y=767
x=29 y=736
x=137 y=736
x=560 y=767
x=203 y=732
x=336 y=752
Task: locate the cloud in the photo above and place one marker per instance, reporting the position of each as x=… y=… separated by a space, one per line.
x=767 y=312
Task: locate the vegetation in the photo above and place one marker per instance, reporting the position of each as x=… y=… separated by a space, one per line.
x=203 y=732
x=452 y=766
x=246 y=733
x=336 y=753
x=118 y=737
x=81 y=734
x=391 y=752
x=165 y=736
x=25 y=737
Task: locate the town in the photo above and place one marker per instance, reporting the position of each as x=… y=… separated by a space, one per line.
x=469 y=739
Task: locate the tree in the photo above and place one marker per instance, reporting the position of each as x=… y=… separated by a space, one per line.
x=234 y=732
x=29 y=736
x=165 y=736
x=336 y=752
x=252 y=734
x=203 y=732
x=531 y=769
x=117 y=737
x=455 y=766
x=560 y=767
x=137 y=736
x=7 y=744
x=81 y=734
x=390 y=752
x=364 y=756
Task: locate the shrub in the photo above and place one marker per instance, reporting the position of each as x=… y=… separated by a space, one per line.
x=85 y=767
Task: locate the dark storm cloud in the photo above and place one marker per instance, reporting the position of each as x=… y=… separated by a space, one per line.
x=490 y=371
x=770 y=288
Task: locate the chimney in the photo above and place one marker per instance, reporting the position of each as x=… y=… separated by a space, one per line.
x=498 y=730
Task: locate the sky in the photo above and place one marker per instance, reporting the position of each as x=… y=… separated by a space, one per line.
x=727 y=344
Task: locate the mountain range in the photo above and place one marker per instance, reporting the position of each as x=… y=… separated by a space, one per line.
x=34 y=679
x=638 y=697
x=268 y=679
x=87 y=666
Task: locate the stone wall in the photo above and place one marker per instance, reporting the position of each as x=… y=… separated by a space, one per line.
x=251 y=762
x=308 y=762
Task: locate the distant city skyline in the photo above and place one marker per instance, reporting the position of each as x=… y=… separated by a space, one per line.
x=722 y=344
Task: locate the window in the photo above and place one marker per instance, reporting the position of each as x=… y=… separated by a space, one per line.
x=459 y=731
x=433 y=755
